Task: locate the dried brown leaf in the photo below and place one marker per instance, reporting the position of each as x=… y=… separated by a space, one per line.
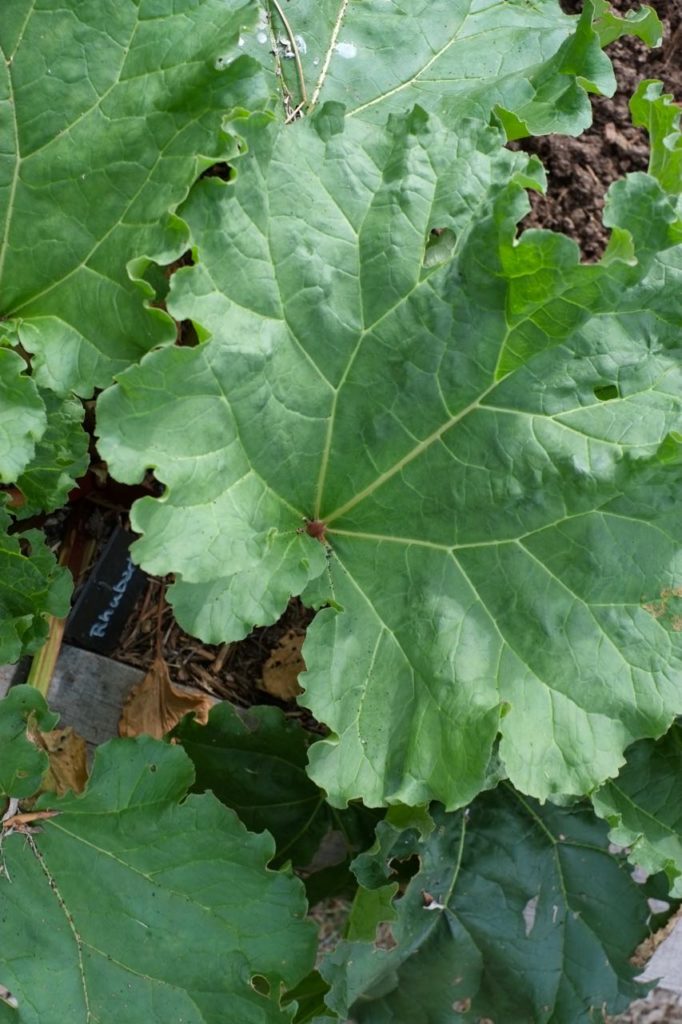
x=282 y=669
x=68 y=765
x=156 y=705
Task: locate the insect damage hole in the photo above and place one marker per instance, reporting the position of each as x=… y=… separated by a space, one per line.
x=260 y=984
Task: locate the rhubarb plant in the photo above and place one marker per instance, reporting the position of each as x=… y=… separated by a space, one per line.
x=454 y=440
x=478 y=426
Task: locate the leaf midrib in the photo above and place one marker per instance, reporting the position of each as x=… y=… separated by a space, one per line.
x=409 y=456
x=4 y=245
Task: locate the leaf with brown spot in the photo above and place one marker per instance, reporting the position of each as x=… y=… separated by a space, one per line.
x=156 y=705
x=283 y=667
x=491 y=919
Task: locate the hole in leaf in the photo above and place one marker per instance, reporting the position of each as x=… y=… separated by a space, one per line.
x=403 y=870
x=606 y=392
x=220 y=170
x=260 y=984
x=187 y=336
x=384 y=938
x=439 y=247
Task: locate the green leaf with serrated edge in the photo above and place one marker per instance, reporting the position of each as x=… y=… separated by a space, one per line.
x=61 y=456
x=643 y=806
x=660 y=115
x=517 y=913
x=495 y=526
x=22 y=415
x=254 y=761
x=232 y=517
x=643 y=23
x=32 y=586
x=452 y=57
x=22 y=764
x=558 y=100
x=128 y=880
x=109 y=111
x=233 y=605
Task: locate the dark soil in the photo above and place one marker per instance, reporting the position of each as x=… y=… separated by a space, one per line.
x=580 y=170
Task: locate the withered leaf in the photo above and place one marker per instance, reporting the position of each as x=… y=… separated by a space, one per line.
x=156 y=704
x=283 y=667
x=68 y=766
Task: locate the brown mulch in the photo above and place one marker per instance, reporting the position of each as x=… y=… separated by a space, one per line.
x=229 y=671
x=660 y=1007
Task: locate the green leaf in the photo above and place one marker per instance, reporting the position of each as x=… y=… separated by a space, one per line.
x=654 y=110
x=22 y=764
x=22 y=416
x=643 y=806
x=61 y=456
x=32 y=586
x=151 y=907
x=451 y=57
x=643 y=23
x=254 y=761
x=371 y=907
x=309 y=996
x=108 y=111
x=517 y=913
x=496 y=529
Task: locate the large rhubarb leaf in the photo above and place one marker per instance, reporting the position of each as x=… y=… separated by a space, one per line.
x=22 y=763
x=32 y=586
x=483 y=428
x=517 y=913
x=643 y=805
x=141 y=905
x=109 y=109
x=455 y=57
x=254 y=761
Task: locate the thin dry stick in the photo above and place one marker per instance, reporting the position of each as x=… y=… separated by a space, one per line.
x=297 y=55
x=140 y=618
x=294 y=113
x=158 y=641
